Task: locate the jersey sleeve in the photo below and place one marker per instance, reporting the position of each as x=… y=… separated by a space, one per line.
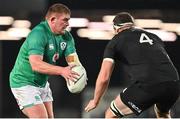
x=115 y=48
x=70 y=44
x=109 y=51
x=36 y=42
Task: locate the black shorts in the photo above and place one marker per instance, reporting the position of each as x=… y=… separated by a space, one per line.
x=139 y=96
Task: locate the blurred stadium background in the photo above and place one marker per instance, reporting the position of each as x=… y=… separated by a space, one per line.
x=91 y=28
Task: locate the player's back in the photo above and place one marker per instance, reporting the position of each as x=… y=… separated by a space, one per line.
x=140 y=47
x=145 y=55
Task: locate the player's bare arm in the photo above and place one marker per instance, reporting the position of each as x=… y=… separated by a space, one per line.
x=39 y=65
x=101 y=84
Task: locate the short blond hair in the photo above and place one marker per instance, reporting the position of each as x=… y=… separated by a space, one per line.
x=57 y=8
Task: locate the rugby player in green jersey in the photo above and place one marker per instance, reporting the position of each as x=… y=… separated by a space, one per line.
x=37 y=59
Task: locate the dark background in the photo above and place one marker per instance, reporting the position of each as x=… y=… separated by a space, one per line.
x=90 y=51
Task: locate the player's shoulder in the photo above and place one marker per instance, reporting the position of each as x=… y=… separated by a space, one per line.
x=135 y=33
x=125 y=35
x=40 y=28
x=39 y=31
x=67 y=35
x=116 y=40
x=146 y=32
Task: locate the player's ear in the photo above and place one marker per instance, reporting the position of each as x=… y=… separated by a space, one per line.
x=53 y=19
x=115 y=29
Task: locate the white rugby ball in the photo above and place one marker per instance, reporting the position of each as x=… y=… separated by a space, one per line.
x=79 y=85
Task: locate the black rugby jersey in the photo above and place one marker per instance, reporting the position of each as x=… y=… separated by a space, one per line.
x=144 y=53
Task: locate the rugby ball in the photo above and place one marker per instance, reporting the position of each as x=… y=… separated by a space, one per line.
x=80 y=83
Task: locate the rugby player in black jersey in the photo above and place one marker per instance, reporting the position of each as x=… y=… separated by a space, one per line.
x=155 y=77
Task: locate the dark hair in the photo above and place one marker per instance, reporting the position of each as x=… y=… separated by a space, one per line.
x=123 y=18
x=57 y=8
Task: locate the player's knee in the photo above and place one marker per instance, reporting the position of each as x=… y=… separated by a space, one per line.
x=161 y=114
x=50 y=116
x=35 y=113
x=108 y=114
x=115 y=111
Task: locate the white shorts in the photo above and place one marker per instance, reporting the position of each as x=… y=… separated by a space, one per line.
x=28 y=96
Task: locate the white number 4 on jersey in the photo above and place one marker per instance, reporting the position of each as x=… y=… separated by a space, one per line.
x=145 y=39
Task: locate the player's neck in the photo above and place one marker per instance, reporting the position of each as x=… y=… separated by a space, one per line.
x=51 y=27
x=123 y=28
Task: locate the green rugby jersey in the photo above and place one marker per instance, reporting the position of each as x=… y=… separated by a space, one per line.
x=40 y=41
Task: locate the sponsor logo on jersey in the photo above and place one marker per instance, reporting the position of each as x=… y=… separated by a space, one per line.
x=63 y=45
x=135 y=107
x=51 y=46
x=55 y=57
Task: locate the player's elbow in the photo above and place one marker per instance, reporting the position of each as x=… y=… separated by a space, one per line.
x=104 y=82
x=34 y=67
x=35 y=62
x=104 y=79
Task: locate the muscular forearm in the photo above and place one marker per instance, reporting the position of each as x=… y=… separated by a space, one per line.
x=102 y=83
x=99 y=92
x=101 y=86
x=38 y=65
x=45 y=68
x=103 y=80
